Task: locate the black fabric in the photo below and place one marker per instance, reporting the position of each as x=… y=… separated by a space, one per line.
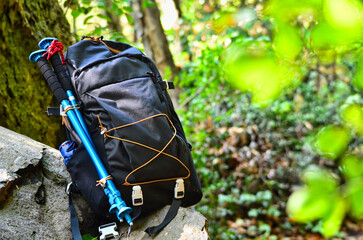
x=84 y=176
x=170 y=215
x=118 y=89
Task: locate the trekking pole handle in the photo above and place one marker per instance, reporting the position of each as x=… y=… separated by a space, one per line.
x=52 y=80
x=54 y=59
x=61 y=72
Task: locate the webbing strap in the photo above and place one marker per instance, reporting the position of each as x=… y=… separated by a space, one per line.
x=173 y=211
x=167 y=85
x=136 y=212
x=74 y=220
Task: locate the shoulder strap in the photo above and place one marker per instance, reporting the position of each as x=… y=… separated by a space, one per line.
x=74 y=219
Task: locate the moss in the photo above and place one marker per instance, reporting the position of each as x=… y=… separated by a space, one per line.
x=24 y=94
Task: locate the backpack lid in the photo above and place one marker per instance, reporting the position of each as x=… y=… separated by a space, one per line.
x=86 y=52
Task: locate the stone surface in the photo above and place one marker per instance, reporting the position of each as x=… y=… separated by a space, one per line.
x=187 y=225
x=34 y=205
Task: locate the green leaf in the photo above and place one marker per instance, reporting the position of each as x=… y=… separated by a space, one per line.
x=103 y=16
x=147 y=3
x=88 y=237
x=129 y=18
x=355 y=196
x=352 y=116
x=287 y=41
x=320 y=180
x=264 y=195
x=264 y=228
x=290 y=9
x=76 y=11
x=273 y=211
x=351 y=166
x=305 y=205
x=85 y=21
x=128 y=9
x=331 y=141
x=332 y=222
x=325 y=37
x=343 y=14
x=282 y=107
x=102 y=4
x=358 y=78
x=253 y=212
x=340 y=27
x=257 y=75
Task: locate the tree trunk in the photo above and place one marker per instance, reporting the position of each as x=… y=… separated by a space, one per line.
x=178 y=8
x=153 y=36
x=24 y=94
x=156 y=46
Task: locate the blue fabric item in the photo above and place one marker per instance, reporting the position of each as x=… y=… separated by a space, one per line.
x=67 y=149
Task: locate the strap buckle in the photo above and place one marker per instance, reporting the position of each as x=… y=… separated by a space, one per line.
x=166 y=84
x=108 y=230
x=137 y=198
x=53 y=111
x=68 y=188
x=179 y=189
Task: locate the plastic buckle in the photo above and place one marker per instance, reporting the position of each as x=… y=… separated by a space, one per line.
x=166 y=83
x=62 y=111
x=137 y=198
x=179 y=189
x=53 y=111
x=108 y=230
x=103 y=131
x=68 y=188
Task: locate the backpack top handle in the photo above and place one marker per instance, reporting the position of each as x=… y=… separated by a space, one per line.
x=100 y=40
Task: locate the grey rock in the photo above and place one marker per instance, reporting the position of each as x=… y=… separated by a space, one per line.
x=33 y=204
x=187 y=225
x=6 y=181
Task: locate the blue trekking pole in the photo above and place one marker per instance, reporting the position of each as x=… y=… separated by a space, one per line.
x=118 y=206
x=62 y=75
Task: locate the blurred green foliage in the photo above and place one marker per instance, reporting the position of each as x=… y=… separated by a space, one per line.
x=296 y=66
x=92 y=18
x=301 y=34
x=250 y=158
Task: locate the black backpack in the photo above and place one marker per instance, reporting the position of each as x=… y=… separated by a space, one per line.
x=134 y=128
